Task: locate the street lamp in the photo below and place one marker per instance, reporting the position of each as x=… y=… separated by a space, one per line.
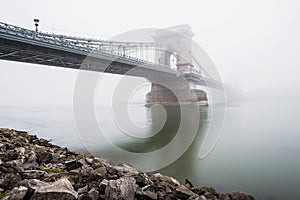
x=36 y=23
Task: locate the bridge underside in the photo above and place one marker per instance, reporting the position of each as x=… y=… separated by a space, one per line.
x=51 y=55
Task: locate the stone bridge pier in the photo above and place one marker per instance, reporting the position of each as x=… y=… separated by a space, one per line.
x=174 y=50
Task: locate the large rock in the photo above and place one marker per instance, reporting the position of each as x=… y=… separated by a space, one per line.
x=18 y=193
x=123 y=188
x=59 y=190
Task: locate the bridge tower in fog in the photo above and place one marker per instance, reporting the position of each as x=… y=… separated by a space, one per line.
x=174 y=49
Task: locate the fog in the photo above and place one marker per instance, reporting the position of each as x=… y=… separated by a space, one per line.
x=254 y=44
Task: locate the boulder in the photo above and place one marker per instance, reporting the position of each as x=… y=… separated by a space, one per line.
x=123 y=188
x=58 y=190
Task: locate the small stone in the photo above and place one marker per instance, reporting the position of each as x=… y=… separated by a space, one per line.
x=10 y=181
x=102 y=186
x=13 y=166
x=93 y=194
x=182 y=192
x=224 y=196
x=82 y=190
x=188 y=183
x=142 y=180
x=74 y=172
x=148 y=195
x=9 y=155
x=32 y=174
x=44 y=157
x=72 y=164
x=101 y=170
x=241 y=196
x=111 y=170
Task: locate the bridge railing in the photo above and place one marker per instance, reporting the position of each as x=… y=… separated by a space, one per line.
x=114 y=49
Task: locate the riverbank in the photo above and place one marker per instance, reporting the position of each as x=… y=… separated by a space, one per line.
x=33 y=168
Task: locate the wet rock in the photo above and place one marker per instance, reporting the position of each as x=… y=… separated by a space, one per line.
x=182 y=192
x=162 y=182
x=203 y=190
x=37 y=169
x=224 y=196
x=188 y=183
x=241 y=196
x=17 y=193
x=59 y=190
x=123 y=189
x=210 y=196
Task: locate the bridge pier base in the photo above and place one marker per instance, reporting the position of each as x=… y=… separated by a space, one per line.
x=162 y=95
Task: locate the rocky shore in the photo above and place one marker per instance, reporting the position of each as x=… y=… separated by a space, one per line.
x=32 y=168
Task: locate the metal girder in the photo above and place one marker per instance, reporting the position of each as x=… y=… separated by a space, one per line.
x=8 y=54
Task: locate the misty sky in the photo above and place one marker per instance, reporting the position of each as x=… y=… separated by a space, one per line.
x=254 y=44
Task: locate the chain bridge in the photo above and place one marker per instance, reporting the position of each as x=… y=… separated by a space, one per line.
x=144 y=59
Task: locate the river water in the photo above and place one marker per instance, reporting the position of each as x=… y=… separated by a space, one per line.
x=257 y=150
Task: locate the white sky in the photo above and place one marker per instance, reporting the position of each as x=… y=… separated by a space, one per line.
x=254 y=43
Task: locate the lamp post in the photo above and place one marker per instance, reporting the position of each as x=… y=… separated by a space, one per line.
x=36 y=23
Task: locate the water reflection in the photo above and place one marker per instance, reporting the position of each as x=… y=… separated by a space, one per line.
x=163 y=137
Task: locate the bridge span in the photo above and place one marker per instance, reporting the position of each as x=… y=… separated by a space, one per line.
x=118 y=57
